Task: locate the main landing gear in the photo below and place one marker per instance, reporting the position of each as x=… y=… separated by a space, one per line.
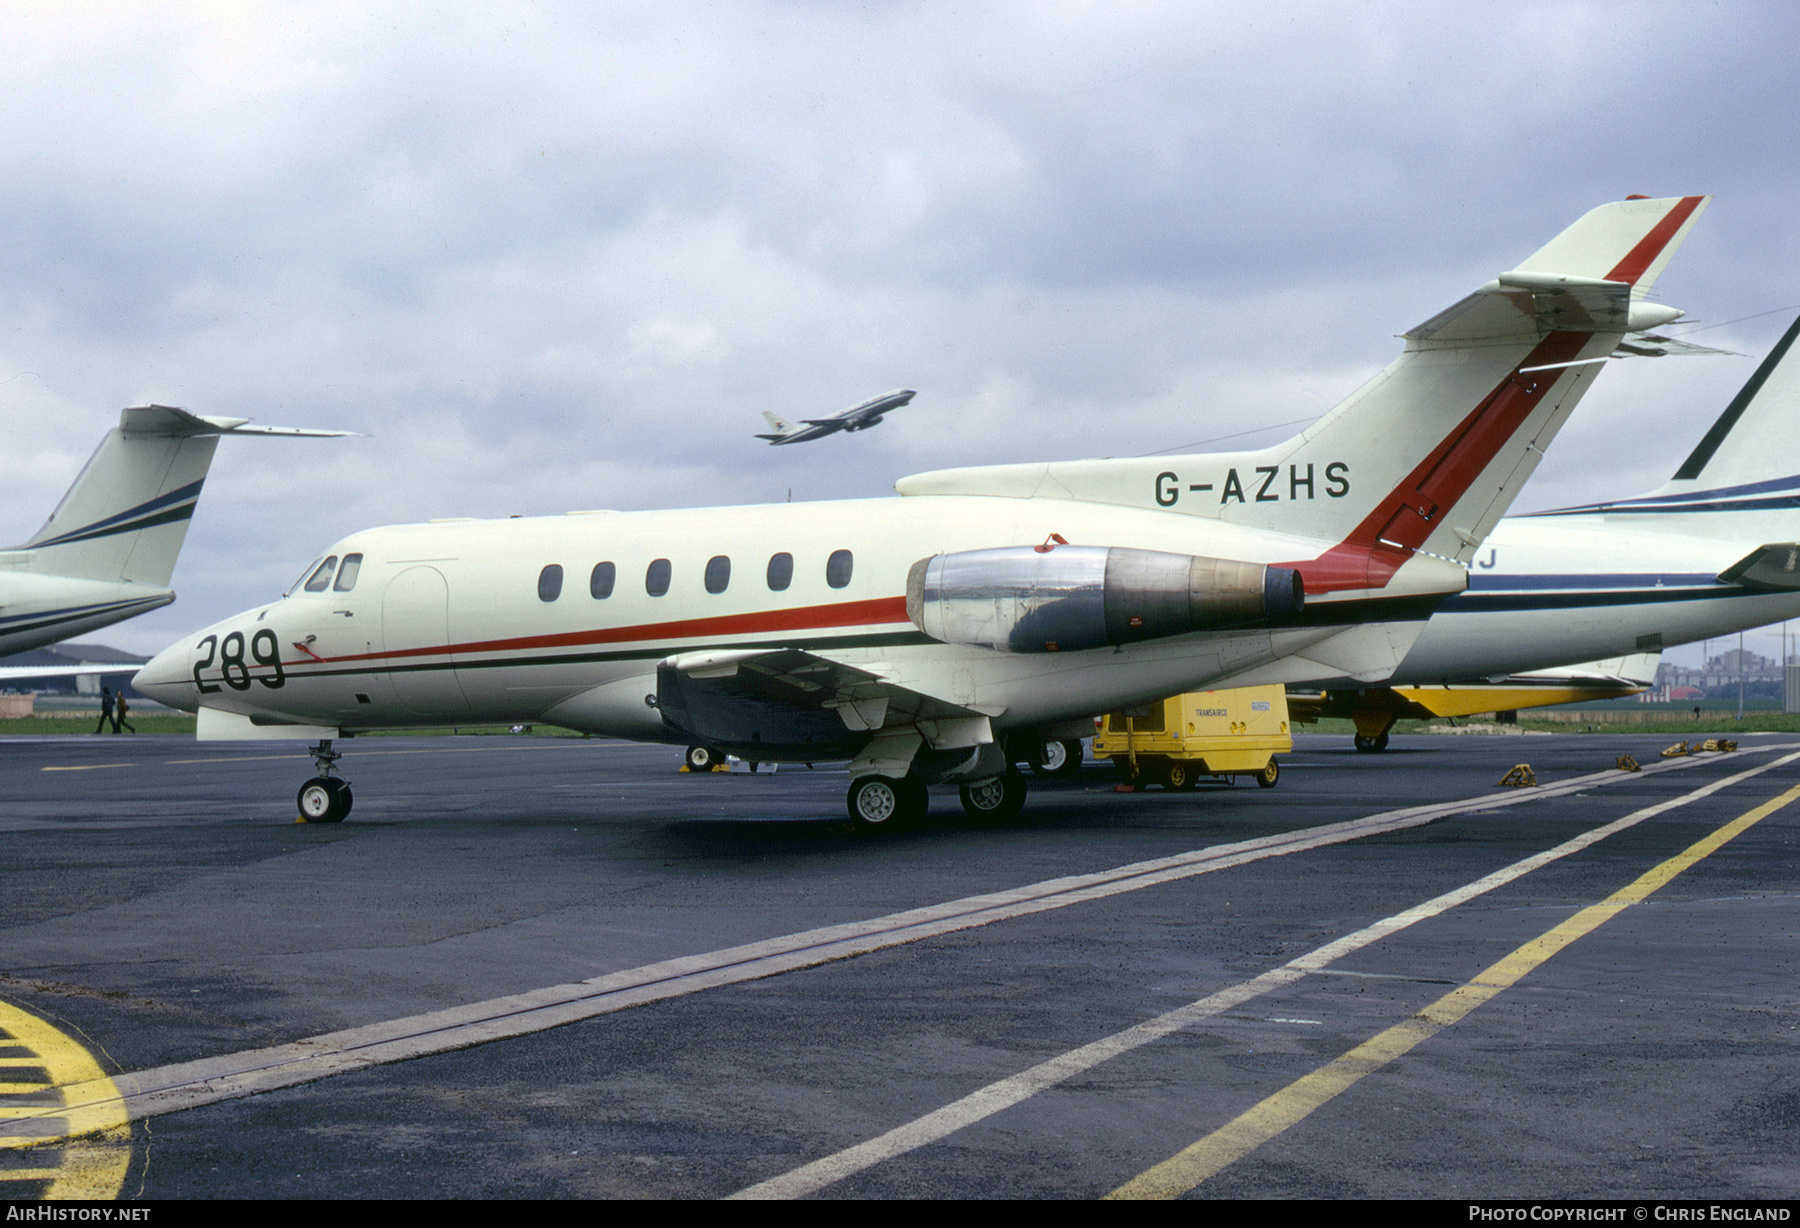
x=888 y=803
x=1058 y=759
x=1372 y=725
x=325 y=798
x=999 y=798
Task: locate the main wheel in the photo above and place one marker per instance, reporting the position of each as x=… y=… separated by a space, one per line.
x=324 y=799
x=1372 y=746
x=885 y=802
x=1059 y=759
x=998 y=798
x=702 y=758
x=1266 y=778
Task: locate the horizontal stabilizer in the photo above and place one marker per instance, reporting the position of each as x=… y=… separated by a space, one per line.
x=1650 y=345
x=167 y=422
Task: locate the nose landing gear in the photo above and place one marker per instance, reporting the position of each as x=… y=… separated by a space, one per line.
x=326 y=797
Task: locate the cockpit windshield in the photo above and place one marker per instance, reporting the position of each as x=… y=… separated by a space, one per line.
x=320 y=580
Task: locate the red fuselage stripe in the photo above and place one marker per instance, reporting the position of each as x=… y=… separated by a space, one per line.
x=807 y=618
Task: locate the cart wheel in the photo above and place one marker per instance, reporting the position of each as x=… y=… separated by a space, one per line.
x=1266 y=778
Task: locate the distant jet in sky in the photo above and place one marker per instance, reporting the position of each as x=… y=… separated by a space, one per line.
x=856 y=418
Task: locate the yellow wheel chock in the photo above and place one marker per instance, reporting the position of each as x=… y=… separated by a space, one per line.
x=1677 y=751
x=1628 y=764
x=1520 y=777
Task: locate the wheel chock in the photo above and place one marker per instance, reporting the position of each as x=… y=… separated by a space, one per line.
x=1520 y=777
x=1718 y=744
x=1677 y=751
x=1628 y=764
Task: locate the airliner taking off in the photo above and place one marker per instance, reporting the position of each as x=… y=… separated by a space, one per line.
x=1714 y=550
x=912 y=636
x=856 y=418
x=109 y=548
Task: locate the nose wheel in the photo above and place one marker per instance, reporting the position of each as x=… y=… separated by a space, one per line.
x=325 y=798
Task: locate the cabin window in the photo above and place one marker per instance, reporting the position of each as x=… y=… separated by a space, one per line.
x=656 y=579
x=718 y=573
x=600 y=581
x=550 y=582
x=347 y=573
x=837 y=568
x=781 y=571
x=321 y=579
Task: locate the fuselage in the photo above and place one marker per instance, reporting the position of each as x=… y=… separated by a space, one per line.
x=1567 y=588
x=564 y=619
x=42 y=609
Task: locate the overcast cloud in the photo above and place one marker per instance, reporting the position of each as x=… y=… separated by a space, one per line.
x=549 y=257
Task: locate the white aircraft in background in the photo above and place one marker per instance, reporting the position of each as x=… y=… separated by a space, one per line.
x=911 y=635
x=856 y=418
x=1714 y=550
x=109 y=548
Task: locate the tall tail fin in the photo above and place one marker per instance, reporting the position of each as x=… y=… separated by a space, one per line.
x=1753 y=439
x=1746 y=463
x=780 y=426
x=127 y=514
x=1425 y=457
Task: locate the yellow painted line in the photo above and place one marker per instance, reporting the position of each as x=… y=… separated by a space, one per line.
x=1003 y=1094
x=1294 y=1103
x=82 y=1150
x=85 y=767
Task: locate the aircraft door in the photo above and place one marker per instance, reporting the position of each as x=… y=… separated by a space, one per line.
x=415 y=626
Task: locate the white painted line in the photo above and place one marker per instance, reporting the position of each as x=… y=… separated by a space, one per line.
x=1005 y=1093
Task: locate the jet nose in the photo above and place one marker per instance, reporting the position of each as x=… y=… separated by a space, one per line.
x=166 y=679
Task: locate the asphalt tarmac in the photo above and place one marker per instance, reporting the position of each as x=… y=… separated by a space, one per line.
x=549 y=967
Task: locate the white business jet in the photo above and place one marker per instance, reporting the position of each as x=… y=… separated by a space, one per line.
x=109 y=548
x=1714 y=550
x=912 y=635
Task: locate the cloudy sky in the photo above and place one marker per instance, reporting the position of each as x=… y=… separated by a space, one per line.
x=552 y=256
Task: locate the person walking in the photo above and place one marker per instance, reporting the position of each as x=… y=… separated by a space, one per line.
x=119 y=715
x=106 y=711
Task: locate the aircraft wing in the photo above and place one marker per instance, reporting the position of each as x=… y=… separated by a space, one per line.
x=14 y=673
x=738 y=700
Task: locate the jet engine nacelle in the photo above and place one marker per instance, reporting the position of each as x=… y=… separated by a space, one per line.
x=1030 y=599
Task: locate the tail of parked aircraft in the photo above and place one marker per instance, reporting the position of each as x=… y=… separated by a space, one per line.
x=1740 y=481
x=127 y=514
x=1425 y=457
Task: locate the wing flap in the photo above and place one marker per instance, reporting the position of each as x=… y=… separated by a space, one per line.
x=787 y=703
